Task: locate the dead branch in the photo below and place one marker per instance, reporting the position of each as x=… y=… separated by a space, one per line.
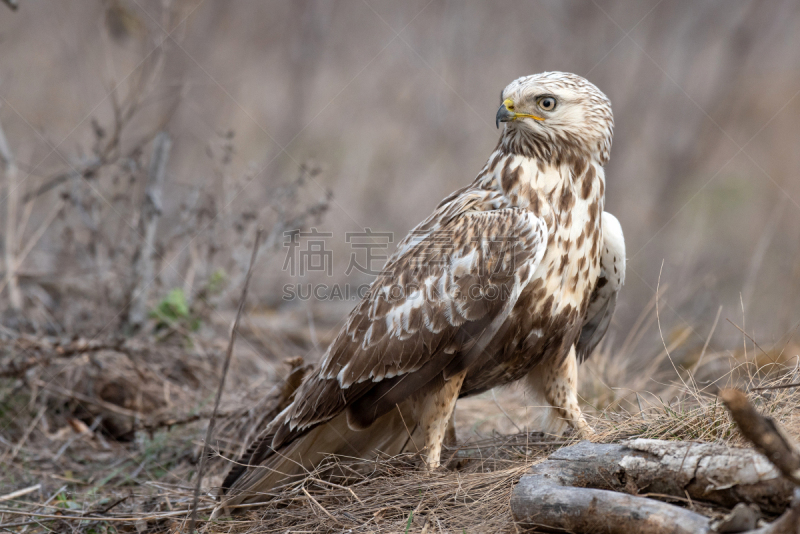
x=148 y=223
x=593 y=487
x=767 y=437
x=707 y=472
x=763 y=433
x=540 y=502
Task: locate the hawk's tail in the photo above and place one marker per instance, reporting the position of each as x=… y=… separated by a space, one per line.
x=262 y=470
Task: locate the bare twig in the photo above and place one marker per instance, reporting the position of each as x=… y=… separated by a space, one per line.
x=107 y=508
x=20 y=493
x=152 y=517
x=19 y=257
x=319 y=505
x=228 y=355
x=121 y=519
x=331 y=484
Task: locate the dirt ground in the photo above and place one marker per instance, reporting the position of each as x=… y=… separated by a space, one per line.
x=105 y=436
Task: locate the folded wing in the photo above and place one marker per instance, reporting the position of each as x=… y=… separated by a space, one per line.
x=442 y=296
x=604 y=297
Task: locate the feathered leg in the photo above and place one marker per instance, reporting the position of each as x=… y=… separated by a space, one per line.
x=434 y=412
x=559 y=383
x=450 y=434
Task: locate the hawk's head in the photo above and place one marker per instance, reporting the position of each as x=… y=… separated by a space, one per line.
x=556 y=116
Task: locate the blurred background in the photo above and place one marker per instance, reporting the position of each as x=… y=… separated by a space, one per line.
x=144 y=141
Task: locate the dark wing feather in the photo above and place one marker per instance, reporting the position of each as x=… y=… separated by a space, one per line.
x=595 y=328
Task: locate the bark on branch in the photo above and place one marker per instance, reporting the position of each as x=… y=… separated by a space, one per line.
x=704 y=471
x=593 y=487
x=541 y=503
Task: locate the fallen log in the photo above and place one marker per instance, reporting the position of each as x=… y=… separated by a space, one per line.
x=593 y=487
x=540 y=502
x=707 y=472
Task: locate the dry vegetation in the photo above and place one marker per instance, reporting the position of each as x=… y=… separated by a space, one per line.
x=143 y=142
x=112 y=434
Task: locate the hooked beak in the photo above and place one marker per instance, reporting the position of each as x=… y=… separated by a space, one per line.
x=506 y=113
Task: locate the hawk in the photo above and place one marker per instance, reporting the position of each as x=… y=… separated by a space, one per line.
x=513 y=277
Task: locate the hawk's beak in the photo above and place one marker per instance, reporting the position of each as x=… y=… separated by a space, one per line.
x=506 y=113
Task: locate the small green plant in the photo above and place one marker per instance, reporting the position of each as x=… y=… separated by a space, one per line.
x=410 y=520
x=63 y=502
x=173 y=311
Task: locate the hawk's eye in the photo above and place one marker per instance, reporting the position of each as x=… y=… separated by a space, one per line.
x=547 y=103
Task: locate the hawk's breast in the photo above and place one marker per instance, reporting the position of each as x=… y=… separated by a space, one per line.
x=548 y=316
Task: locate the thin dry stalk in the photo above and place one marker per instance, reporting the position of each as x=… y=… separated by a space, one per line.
x=225 y=366
x=20 y=493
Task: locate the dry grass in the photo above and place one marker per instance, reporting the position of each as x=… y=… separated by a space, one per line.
x=61 y=430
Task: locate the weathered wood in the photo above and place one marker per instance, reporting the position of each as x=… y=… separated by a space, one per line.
x=595 y=487
x=704 y=471
x=540 y=503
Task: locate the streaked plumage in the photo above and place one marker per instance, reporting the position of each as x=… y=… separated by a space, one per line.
x=530 y=230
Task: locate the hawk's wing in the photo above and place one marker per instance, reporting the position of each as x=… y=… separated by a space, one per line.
x=604 y=297
x=441 y=297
